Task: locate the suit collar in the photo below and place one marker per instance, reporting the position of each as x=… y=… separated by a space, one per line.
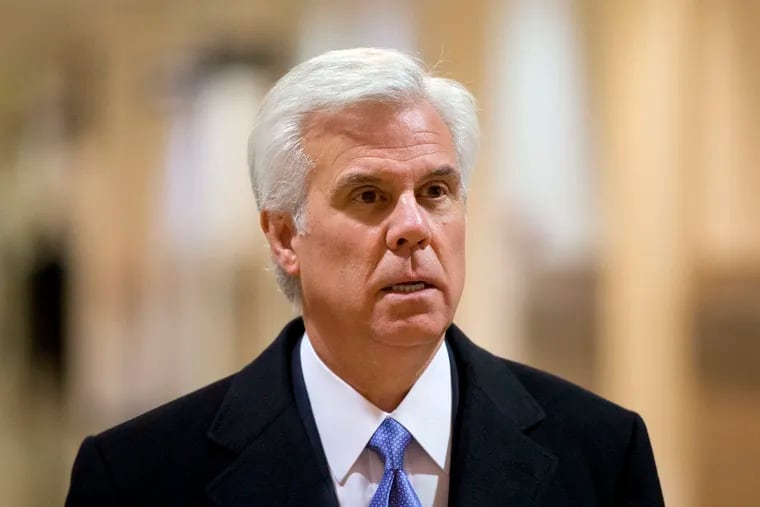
x=260 y=422
x=491 y=374
x=259 y=393
x=494 y=461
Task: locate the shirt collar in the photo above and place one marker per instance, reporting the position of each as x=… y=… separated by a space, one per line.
x=346 y=420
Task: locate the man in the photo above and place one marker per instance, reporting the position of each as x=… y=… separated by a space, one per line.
x=359 y=161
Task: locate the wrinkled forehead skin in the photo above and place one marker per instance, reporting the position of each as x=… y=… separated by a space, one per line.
x=358 y=124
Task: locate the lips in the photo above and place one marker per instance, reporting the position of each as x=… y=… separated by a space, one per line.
x=408 y=287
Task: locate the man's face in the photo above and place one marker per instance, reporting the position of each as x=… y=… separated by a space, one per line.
x=383 y=255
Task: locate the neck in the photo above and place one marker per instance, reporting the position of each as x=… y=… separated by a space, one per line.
x=383 y=374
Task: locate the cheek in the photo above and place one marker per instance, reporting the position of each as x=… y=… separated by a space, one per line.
x=454 y=244
x=457 y=233
x=344 y=253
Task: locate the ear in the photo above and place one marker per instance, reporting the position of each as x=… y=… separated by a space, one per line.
x=280 y=231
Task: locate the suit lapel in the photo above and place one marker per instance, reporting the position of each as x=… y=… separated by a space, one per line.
x=494 y=462
x=259 y=422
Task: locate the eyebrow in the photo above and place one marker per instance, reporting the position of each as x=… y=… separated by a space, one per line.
x=357 y=179
x=445 y=171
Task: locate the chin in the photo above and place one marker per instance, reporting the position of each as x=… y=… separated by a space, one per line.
x=411 y=331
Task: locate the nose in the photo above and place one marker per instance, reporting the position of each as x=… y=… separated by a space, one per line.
x=408 y=225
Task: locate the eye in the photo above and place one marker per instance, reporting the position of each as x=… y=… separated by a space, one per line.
x=368 y=196
x=435 y=190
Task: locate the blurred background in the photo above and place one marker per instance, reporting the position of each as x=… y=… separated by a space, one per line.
x=614 y=217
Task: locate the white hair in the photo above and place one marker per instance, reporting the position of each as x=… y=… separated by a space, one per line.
x=332 y=81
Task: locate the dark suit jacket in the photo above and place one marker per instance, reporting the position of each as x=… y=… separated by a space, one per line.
x=521 y=438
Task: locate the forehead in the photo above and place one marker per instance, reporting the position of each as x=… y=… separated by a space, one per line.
x=379 y=136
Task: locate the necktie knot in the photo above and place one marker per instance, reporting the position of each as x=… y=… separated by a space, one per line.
x=395 y=490
x=390 y=441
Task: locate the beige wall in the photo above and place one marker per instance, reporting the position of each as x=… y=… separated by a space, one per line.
x=673 y=113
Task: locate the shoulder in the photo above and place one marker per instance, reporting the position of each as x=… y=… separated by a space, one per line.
x=602 y=451
x=187 y=415
x=575 y=413
x=166 y=437
x=511 y=381
x=165 y=451
x=570 y=411
x=566 y=418
x=559 y=396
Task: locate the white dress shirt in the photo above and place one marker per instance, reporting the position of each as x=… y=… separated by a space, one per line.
x=346 y=421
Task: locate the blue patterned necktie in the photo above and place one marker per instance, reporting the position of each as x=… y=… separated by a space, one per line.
x=395 y=490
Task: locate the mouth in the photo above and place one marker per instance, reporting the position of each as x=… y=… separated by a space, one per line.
x=407 y=287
